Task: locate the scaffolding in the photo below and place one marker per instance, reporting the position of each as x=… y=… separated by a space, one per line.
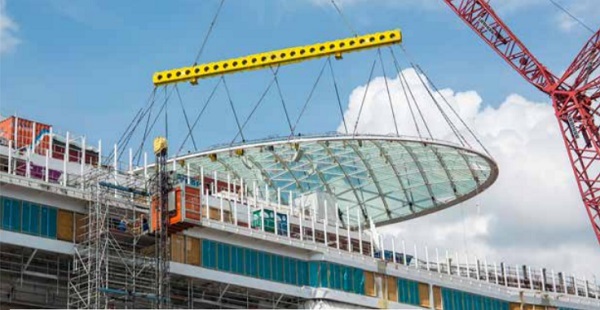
x=114 y=261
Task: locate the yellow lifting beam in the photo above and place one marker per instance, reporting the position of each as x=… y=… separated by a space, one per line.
x=278 y=57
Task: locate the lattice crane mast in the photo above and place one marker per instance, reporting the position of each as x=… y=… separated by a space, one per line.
x=575 y=95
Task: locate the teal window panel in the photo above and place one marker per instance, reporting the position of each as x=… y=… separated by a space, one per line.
x=234 y=259
x=286 y=270
x=205 y=253
x=346 y=278
x=253 y=263
x=268 y=265
x=34 y=223
x=225 y=258
x=415 y=295
x=334 y=276
x=474 y=299
x=359 y=281
x=213 y=259
x=45 y=216
x=248 y=262
x=26 y=217
x=324 y=272
x=446 y=301
x=220 y=265
x=53 y=219
x=262 y=271
x=294 y=271
x=302 y=273
x=313 y=278
x=241 y=260
x=209 y=254
x=6 y=210
x=459 y=300
x=11 y=217
x=278 y=268
x=403 y=291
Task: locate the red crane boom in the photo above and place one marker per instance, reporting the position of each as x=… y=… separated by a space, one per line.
x=574 y=95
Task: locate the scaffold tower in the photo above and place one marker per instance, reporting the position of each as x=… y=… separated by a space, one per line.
x=114 y=261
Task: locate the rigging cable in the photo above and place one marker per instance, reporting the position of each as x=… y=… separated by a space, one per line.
x=412 y=95
x=287 y=116
x=337 y=94
x=412 y=113
x=237 y=121
x=346 y=21
x=471 y=132
x=310 y=94
x=453 y=128
x=187 y=121
x=212 y=93
x=210 y=28
x=262 y=97
x=364 y=96
x=387 y=88
x=579 y=21
x=133 y=124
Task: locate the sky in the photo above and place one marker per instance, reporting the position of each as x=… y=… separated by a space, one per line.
x=85 y=66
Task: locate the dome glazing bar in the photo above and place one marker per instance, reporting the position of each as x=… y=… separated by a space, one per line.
x=389 y=178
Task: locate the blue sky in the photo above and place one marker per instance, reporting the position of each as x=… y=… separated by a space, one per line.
x=86 y=66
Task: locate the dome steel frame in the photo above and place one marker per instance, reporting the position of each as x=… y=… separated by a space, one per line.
x=390 y=178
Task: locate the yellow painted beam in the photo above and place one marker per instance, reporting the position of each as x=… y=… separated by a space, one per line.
x=278 y=57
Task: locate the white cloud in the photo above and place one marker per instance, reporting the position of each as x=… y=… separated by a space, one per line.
x=533 y=213
x=8 y=28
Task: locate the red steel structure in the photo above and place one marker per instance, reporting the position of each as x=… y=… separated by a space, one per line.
x=574 y=95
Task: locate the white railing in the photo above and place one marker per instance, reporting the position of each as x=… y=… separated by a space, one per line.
x=479 y=271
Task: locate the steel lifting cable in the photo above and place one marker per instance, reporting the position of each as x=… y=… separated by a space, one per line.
x=387 y=88
x=310 y=94
x=287 y=116
x=364 y=96
x=208 y=100
x=418 y=70
x=454 y=129
x=138 y=153
x=187 y=121
x=471 y=132
x=412 y=95
x=149 y=128
x=337 y=94
x=237 y=121
x=579 y=21
x=412 y=114
x=346 y=21
x=260 y=100
x=121 y=149
x=210 y=28
x=134 y=122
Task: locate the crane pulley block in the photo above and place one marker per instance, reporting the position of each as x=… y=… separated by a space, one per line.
x=278 y=57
